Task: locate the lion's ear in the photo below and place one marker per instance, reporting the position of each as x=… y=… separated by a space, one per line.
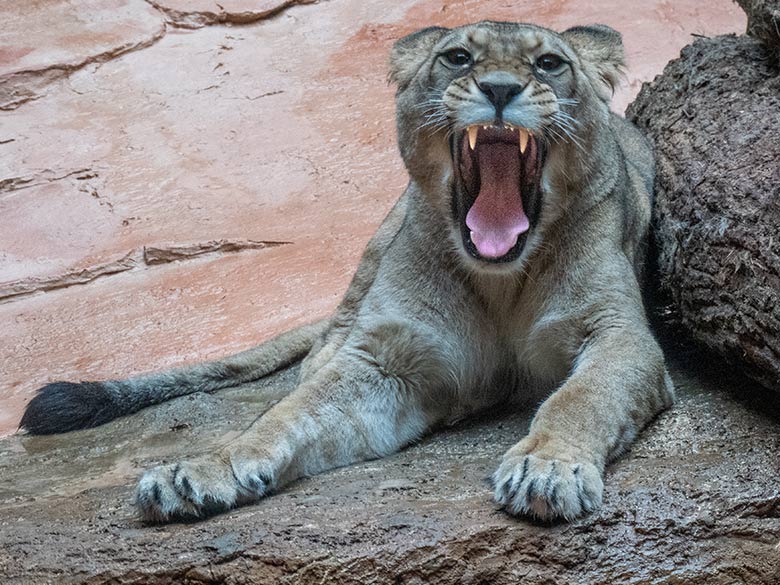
x=410 y=52
x=601 y=48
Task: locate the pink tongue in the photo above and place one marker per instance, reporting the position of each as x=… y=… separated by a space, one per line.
x=497 y=218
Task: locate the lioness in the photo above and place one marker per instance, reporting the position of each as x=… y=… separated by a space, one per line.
x=509 y=270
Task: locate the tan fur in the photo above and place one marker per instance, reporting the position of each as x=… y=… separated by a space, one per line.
x=427 y=333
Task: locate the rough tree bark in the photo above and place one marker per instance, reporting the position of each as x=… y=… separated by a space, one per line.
x=763 y=21
x=714 y=117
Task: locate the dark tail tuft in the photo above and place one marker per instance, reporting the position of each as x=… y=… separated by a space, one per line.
x=65 y=406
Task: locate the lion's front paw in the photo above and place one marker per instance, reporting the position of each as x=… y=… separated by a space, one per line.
x=547 y=489
x=196 y=489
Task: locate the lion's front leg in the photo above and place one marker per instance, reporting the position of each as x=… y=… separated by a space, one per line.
x=369 y=401
x=619 y=383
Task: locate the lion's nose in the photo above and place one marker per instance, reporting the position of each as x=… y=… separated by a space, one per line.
x=500 y=94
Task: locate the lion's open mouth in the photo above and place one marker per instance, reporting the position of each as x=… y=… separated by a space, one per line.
x=499 y=168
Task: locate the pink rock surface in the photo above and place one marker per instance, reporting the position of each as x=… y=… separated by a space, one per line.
x=47 y=39
x=198 y=13
x=280 y=131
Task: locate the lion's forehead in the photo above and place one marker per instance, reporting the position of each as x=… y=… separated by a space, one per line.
x=507 y=42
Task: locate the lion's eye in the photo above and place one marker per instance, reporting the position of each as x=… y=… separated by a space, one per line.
x=458 y=57
x=549 y=62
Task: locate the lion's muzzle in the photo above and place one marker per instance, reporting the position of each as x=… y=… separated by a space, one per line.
x=499 y=167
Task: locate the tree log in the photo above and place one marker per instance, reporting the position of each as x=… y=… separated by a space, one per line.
x=714 y=118
x=763 y=21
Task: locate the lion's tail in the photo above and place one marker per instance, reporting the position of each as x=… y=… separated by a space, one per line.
x=67 y=406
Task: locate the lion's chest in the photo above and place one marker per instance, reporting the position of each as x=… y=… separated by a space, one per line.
x=543 y=349
x=540 y=338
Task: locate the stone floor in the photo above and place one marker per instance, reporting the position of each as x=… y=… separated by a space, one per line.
x=696 y=502
x=181 y=179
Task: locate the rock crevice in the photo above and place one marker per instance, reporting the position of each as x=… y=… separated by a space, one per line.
x=19 y=87
x=151 y=255
x=199 y=13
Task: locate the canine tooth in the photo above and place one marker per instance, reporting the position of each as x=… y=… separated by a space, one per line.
x=472 y=130
x=523 y=140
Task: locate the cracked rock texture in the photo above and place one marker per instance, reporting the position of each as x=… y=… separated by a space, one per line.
x=47 y=40
x=198 y=13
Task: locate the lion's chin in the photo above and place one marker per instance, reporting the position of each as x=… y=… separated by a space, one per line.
x=495 y=200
